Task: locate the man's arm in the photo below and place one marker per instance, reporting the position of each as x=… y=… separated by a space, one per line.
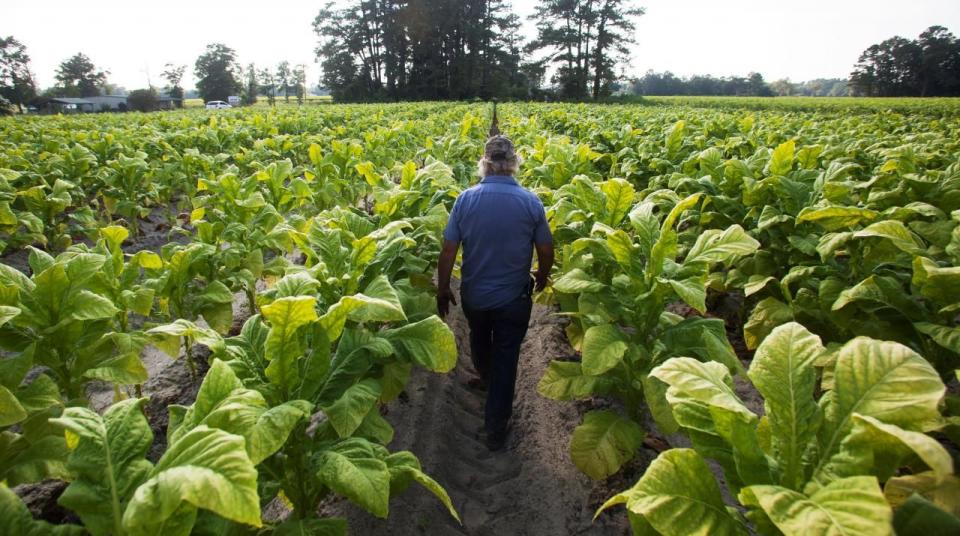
x=544 y=264
x=448 y=255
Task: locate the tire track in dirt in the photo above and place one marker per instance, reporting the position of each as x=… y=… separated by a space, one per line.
x=530 y=488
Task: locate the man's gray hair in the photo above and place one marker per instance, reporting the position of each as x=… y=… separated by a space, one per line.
x=499 y=158
x=498 y=167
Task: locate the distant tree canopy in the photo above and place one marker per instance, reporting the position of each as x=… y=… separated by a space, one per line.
x=421 y=49
x=897 y=67
x=79 y=77
x=820 y=87
x=217 y=73
x=173 y=74
x=586 y=40
x=667 y=83
x=16 y=81
x=283 y=77
x=143 y=100
x=300 y=82
x=252 y=87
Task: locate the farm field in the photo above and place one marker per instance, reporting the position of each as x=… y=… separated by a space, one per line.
x=262 y=101
x=945 y=106
x=224 y=321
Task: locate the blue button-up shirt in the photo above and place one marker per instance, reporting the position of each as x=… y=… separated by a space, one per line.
x=498 y=222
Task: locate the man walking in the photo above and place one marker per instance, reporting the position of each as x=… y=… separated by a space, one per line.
x=499 y=224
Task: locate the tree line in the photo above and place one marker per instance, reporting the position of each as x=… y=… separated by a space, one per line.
x=928 y=66
x=752 y=85
x=218 y=73
x=461 y=49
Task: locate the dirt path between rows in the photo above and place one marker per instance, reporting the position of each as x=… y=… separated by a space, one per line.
x=530 y=488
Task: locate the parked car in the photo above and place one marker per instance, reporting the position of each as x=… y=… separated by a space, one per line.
x=217 y=105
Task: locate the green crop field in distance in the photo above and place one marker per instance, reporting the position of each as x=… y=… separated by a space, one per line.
x=777 y=279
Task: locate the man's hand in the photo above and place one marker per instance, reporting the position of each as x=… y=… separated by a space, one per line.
x=544 y=264
x=448 y=255
x=541 y=280
x=444 y=298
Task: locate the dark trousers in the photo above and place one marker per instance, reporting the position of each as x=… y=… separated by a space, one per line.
x=495 y=338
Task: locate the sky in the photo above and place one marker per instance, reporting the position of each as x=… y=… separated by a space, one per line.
x=799 y=40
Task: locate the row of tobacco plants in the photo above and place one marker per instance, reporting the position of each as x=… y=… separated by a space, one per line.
x=837 y=235
x=326 y=224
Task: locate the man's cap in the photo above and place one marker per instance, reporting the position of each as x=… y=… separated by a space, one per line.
x=499 y=147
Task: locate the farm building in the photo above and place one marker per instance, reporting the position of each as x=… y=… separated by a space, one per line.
x=109 y=103
x=69 y=105
x=168 y=103
x=103 y=103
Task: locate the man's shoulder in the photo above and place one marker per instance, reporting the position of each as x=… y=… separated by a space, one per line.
x=468 y=192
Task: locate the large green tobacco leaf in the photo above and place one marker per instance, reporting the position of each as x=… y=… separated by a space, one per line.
x=885 y=291
x=565 y=380
x=576 y=281
x=352 y=469
x=674 y=139
x=207 y=468
x=619 y=198
x=115 y=358
x=39 y=395
x=603 y=442
x=215 y=303
x=704 y=338
x=942 y=285
x=919 y=517
x=603 y=348
x=16 y=519
x=896 y=232
x=8 y=313
x=86 y=305
x=222 y=402
x=834 y=218
x=944 y=492
x=852 y=505
x=11 y=277
x=11 y=411
x=168 y=336
x=945 y=336
x=781 y=160
x=379 y=302
x=678 y=496
x=782 y=371
x=405 y=469
x=692 y=291
x=428 y=342
x=655 y=395
x=665 y=245
x=694 y=382
x=624 y=251
x=883 y=380
x=719 y=425
x=768 y=314
x=282 y=348
x=876 y=448
x=108 y=459
x=352 y=407
x=38 y=453
x=714 y=246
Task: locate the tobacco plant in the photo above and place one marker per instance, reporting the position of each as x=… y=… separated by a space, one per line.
x=832 y=456
x=615 y=286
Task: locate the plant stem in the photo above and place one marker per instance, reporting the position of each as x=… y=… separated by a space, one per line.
x=189 y=355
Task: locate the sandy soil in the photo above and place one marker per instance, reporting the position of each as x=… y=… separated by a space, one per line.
x=530 y=488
